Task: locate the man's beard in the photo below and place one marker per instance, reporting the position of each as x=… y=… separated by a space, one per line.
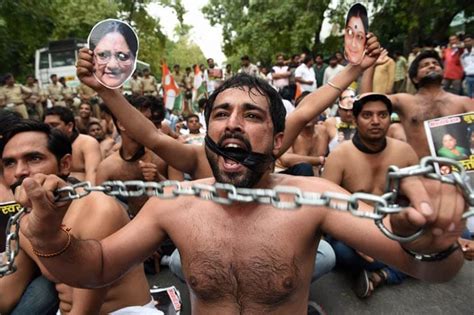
x=432 y=78
x=244 y=179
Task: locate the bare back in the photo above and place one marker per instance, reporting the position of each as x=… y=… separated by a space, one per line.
x=415 y=109
x=86 y=157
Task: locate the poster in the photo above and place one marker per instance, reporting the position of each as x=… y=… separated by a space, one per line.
x=453 y=137
x=7 y=209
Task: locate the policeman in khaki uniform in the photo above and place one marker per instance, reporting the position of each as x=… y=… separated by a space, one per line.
x=13 y=95
x=149 y=83
x=55 y=91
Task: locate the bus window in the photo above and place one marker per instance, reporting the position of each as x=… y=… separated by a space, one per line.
x=43 y=60
x=63 y=58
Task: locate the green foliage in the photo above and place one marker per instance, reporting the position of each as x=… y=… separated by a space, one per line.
x=183 y=52
x=400 y=24
x=25 y=26
x=262 y=28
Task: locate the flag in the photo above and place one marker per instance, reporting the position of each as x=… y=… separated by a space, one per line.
x=170 y=89
x=298 y=91
x=199 y=88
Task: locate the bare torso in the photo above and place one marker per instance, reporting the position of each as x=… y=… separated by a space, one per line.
x=130 y=290
x=415 y=109
x=361 y=172
x=245 y=259
x=115 y=168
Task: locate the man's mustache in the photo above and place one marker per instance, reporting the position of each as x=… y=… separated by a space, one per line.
x=238 y=136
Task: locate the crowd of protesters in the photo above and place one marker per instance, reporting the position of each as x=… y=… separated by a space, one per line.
x=110 y=141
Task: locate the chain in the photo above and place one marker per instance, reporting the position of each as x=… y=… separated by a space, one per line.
x=294 y=198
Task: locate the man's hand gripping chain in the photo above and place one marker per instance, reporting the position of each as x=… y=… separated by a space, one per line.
x=383 y=205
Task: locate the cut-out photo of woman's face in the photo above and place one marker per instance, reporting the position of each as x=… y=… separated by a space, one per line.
x=355 y=34
x=115 y=47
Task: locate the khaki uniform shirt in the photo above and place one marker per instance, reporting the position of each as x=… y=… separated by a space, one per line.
x=14 y=94
x=136 y=85
x=149 y=84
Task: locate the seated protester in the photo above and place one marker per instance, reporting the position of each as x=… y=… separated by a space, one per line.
x=93 y=217
x=193 y=133
x=340 y=128
x=396 y=130
x=373 y=152
x=40 y=296
x=106 y=143
x=127 y=162
x=308 y=144
x=107 y=123
x=86 y=154
x=85 y=118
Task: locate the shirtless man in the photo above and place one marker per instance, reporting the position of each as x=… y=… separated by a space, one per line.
x=86 y=154
x=127 y=163
x=84 y=118
x=196 y=164
x=244 y=258
x=373 y=153
x=430 y=101
x=106 y=143
x=33 y=149
x=342 y=128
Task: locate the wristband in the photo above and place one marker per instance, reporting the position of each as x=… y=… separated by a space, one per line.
x=435 y=256
x=334 y=86
x=59 y=252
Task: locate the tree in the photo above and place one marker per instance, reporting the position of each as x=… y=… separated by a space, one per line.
x=24 y=27
x=262 y=28
x=400 y=24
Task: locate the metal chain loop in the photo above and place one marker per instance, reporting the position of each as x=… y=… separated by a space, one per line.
x=281 y=197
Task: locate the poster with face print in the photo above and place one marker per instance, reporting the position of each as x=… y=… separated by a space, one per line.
x=355 y=34
x=115 y=47
x=453 y=137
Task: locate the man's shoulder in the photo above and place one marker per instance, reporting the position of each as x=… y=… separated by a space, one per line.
x=84 y=139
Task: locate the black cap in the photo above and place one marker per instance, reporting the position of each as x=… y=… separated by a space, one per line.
x=364 y=98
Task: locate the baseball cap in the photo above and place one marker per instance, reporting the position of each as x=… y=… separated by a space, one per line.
x=370 y=97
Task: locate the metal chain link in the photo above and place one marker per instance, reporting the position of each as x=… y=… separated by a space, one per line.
x=383 y=205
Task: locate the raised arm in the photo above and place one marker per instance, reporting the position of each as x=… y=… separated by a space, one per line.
x=316 y=102
x=141 y=129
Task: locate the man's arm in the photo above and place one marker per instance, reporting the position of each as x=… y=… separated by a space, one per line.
x=87 y=263
x=316 y=102
x=13 y=285
x=289 y=159
x=141 y=129
x=438 y=213
x=334 y=167
x=92 y=157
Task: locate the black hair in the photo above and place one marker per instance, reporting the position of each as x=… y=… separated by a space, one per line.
x=191 y=116
x=64 y=113
x=243 y=80
x=93 y=122
x=245 y=57
x=7 y=119
x=53 y=75
x=307 y=58
x=358 y=10
x=301 y=97
x=202 y=102
x=413 y=71
x=112 y=26
x=58 y=143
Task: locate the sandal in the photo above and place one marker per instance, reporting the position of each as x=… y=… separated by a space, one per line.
x=367 y=282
